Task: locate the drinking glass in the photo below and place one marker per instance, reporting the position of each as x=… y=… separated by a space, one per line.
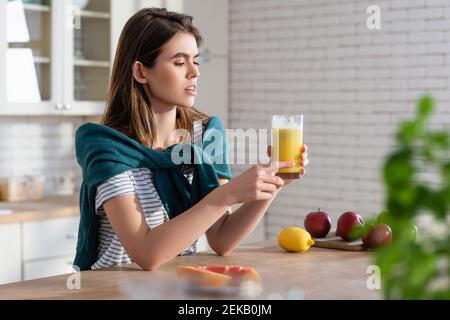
x=287 y=141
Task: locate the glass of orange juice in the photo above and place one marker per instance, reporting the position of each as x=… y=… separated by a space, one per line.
x=287 y=141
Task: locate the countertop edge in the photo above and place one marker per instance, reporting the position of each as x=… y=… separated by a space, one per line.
x=47 y=208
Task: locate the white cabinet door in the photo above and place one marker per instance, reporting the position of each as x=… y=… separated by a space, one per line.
x=64 y=66
x=47 y=267
x=29 y=61
x=89 y=52
x=50 y=238
x=10 y=270
x=87 y=56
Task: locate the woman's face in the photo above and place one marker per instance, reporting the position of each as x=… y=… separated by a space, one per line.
x=173 y=79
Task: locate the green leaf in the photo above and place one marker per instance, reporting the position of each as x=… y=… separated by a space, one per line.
x=438 y=140
x=398 y=169
x=360 y=231
x=404 y=198
x=383 y=217
x=425 y=106
x=409 y=131
x=446 y=196
x=422 y=269
x=428 y=153
x=409 y=268
x=445 y=173
x=439 y=203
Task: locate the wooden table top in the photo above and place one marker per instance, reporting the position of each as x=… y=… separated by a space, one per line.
x=316 y=274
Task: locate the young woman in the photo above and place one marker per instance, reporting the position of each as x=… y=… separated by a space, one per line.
x=152 y=92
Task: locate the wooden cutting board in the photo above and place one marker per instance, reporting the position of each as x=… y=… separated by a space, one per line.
x=331 y=241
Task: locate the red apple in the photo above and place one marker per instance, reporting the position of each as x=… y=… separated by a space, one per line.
x=347 y=222
x=378 y=236
x=318 y=224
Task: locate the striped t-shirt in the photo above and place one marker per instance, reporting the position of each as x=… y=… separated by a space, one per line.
x=139 y=182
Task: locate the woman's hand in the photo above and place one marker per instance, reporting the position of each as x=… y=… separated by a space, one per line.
x=304 y=161
x=257 y=183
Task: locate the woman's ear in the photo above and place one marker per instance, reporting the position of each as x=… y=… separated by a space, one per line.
x=138 y=73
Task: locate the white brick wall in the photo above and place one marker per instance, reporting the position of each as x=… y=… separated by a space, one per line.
x=317 y=57
x=40 y=145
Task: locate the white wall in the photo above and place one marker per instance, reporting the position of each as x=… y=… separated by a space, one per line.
x=40 y=145
x=317 y=57
x=211 y=18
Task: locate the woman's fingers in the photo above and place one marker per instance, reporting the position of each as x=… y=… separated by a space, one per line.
x=274 y=180
x=303 y=152
x=304 y=148
x=273 y=166
x=263 y=195
x=304 y=156
x=282 y=164
x=267 y=187
x=304 y=162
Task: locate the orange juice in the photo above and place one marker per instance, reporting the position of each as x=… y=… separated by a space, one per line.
x=286 y=146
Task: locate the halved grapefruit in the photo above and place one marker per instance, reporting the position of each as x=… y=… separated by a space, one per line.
x=218 y=276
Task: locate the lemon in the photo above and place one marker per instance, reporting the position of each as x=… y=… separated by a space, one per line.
x=295 y=239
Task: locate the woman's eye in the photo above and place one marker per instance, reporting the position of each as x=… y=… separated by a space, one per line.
x=182 y=64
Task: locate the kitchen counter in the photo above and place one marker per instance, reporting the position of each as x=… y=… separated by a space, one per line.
x=316 y=274
x=47 y=208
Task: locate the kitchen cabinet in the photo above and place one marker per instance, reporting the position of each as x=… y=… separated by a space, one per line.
x=36 y=249
x=49 y=238
x=11 y=268
x=56 y=55
x=47 y=267
x=48 y=247
x=39 y=238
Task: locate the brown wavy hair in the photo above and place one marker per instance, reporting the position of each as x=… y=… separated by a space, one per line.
x=128 y=107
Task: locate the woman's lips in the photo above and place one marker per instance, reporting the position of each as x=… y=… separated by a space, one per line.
x=191 y=92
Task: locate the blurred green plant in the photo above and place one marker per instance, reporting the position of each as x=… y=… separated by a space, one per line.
x=419 y=269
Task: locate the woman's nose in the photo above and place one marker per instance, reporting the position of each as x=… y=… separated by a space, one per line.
x=193 y=72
